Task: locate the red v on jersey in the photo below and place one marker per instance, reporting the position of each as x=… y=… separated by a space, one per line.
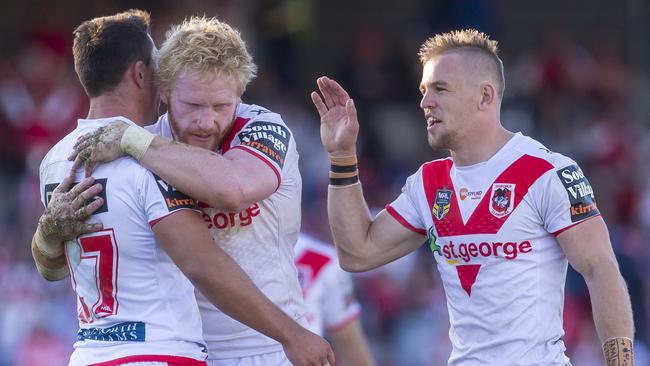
x=522 y=173
x=467 y=275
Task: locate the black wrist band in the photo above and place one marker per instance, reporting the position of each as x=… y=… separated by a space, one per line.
x=344 y=181
x=343 y=168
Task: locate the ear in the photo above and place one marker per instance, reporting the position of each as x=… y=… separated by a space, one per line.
x=487 y=97
x=140 y=73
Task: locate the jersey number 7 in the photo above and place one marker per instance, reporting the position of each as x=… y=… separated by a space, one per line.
x=94 y=276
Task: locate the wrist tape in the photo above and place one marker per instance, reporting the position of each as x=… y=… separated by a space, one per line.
x=135 y=141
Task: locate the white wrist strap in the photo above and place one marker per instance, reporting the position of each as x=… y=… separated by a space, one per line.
x=135 y=141
x=48 y=250
x=52 y=274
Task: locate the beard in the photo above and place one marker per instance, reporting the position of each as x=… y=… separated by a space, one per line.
x=185 y=136
x=443 y=140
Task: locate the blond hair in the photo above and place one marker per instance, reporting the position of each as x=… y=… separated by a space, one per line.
x=204 y=44
x=466 y=40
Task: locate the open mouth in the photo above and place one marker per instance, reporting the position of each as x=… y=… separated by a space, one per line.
x=431 y=120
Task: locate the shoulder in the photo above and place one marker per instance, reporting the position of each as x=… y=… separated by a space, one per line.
x=536 y=149
x=158 y=126
x=438 y=164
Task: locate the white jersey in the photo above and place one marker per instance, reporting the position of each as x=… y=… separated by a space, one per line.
x=327 y=289
x=132 y=300
x=260 y=238
x=492 y=229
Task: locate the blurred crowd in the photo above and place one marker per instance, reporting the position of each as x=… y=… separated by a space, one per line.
x=581 y=97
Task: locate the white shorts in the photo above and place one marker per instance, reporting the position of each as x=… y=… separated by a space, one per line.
x=265 y=359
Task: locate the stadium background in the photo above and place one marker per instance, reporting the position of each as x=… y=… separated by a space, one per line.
x=576 y=76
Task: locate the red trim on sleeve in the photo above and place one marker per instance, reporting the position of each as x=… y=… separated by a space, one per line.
x=403 y=221
x=342 y=324
x=171 y=360
x=557 y=233
x=154 y=222
x=257 y=155
x=240 y=122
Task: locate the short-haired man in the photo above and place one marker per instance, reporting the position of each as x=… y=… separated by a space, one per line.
x=502 y=216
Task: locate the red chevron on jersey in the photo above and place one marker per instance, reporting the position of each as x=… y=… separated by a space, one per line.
x=309 y=265
x=519 y=176
x=467 y=275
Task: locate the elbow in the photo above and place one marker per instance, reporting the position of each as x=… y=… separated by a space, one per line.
x=607 y=267
x=230 y=199
x=353 y=264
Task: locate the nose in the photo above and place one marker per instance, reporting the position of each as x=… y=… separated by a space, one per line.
x=427 y=101
x=207 y=120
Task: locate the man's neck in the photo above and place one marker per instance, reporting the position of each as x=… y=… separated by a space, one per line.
x=106 y=106
x=473 y=153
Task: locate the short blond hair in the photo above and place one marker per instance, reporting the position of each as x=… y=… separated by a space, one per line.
x=466 y=40
x=204 y=44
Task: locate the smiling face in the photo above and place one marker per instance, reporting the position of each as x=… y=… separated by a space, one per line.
x=449 y=100
x=201 y=107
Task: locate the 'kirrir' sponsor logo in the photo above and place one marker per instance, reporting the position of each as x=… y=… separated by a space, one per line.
x=503 y=199
x=581 y=195
x=49 y=190
x=174 y=198
x=271 y=139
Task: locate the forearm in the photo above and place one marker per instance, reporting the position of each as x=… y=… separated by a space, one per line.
x=610 y=303
x=350 y=221
x=351 y=347
x=612 y=313
x=228 y=287
x=199 y=173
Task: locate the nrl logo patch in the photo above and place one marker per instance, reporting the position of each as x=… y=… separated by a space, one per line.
x=441 y=204
x=503 y=199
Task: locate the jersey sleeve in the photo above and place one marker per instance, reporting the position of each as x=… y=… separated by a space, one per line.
x=339 y=303
x=567 y=197
x=160 y=199
x=405 y=208
x=267 y=138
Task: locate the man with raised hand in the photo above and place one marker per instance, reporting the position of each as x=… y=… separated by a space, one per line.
x=502 y=216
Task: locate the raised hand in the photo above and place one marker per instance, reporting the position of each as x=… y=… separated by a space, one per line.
x=66 y=213
x=98 y=147
x=339 y=126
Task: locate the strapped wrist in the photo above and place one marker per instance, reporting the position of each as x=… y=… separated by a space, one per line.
x=51 y=274
x=135 y=141
x=344 y=171
x=47 y=249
